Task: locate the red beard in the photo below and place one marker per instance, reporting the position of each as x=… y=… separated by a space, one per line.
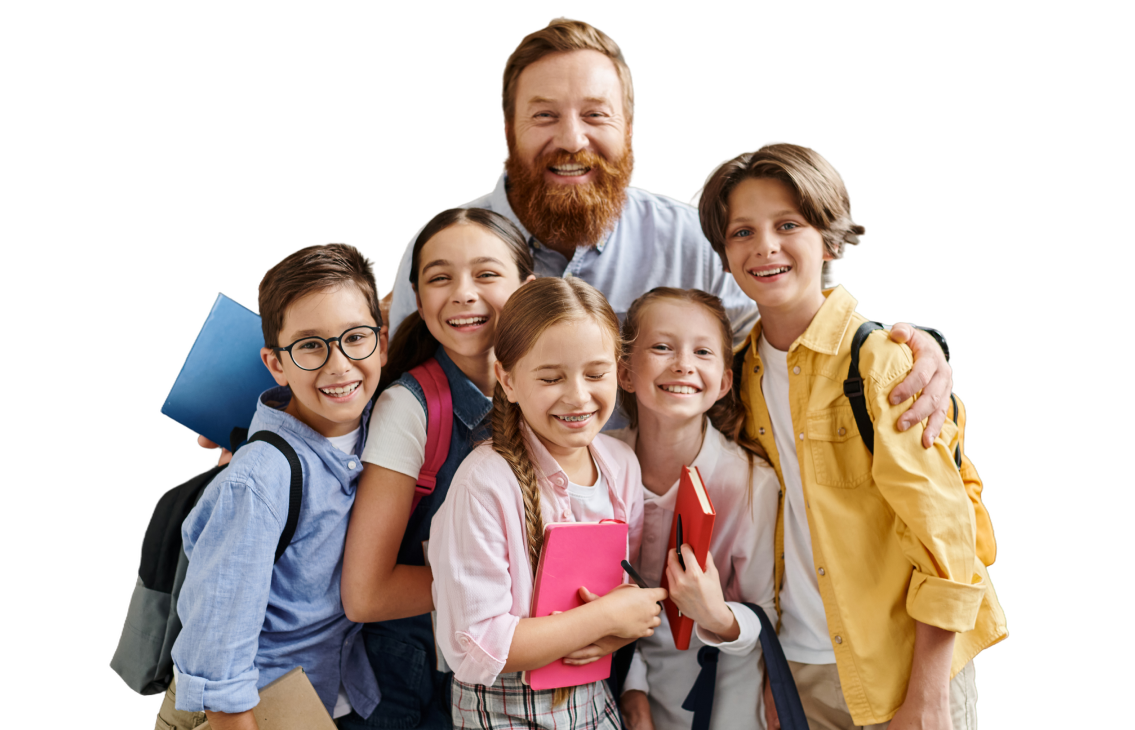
x=564 y=217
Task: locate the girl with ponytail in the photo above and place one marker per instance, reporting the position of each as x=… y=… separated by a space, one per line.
x=465 y=265
x=557 y=350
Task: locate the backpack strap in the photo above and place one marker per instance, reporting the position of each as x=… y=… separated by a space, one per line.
x=785 y=696
x=853 y=386
x=439 y=425
x=295 y=497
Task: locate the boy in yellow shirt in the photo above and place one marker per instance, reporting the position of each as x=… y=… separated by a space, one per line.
x=883 y=595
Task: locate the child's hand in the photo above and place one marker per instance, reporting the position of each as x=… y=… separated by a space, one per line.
x=601 y=648
x=636 y=710
x=632 y=611
x=772 y=720
x=698 y=593
x=226 y=455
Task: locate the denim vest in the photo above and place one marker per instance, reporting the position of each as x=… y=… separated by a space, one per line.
x=402 y=651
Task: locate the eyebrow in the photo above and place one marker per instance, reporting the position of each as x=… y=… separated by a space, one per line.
x=777 y=214
x=315 y=333
x=559 y=366
x=478 y=260
x=589 y=99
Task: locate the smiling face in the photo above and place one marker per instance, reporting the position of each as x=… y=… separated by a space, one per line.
x=773 y=253
x=565 y=385
x=676 y=368
x=569 y=148
x=466 y=276
x=330 y=399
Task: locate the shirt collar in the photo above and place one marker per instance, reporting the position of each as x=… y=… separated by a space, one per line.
x=470 y=405
x=826 y=330
x=550 y=470
x=270 y=416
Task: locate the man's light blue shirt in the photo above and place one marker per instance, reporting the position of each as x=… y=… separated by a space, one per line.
x=656 y=242
x=247 y=621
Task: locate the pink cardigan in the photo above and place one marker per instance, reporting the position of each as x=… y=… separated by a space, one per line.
x=479 y=547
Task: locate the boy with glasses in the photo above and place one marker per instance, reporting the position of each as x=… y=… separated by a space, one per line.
x=246 y=619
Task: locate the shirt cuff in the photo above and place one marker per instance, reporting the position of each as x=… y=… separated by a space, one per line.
x=636 y=675
x=197 y=694
x=478 y=666
x=745 y=642
x=944 y=603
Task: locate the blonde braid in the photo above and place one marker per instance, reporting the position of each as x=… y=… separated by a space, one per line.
x=508 y=441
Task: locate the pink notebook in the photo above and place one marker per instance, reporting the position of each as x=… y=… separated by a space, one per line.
x=575 y=554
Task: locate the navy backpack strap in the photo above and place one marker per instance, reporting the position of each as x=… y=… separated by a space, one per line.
x=784 y=695
x=853 y=386
x=295 y=496
x=700 y=699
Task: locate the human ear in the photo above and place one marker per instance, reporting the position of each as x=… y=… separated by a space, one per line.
x=531 y=277
x=726 y=383
x=505 y=380
x=418 y=300
x=383 y=342
x=624 y=376
x=272 y=361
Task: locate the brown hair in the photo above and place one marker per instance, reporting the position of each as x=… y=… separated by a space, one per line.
x=562 y=35
x=413 y=343
x=528 y=314
x=819 y=191
x=310 y=269
x=727 y=415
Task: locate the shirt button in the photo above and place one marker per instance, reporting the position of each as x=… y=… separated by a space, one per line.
x=756 y=368
x=801 y=435
x=761 y=430
x=821 y=571
x=350 y=465
x=567 y=514
x=839 y=639
x=796 y=370
x=842 y=431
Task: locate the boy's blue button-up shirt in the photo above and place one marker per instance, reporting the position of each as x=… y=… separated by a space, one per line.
x=247 y=621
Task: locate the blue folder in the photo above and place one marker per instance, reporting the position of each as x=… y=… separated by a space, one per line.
x=221 y=380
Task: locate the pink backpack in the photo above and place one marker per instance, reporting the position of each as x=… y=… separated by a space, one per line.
x=439 y=425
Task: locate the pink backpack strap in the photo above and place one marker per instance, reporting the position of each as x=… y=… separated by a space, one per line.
x=439 y=425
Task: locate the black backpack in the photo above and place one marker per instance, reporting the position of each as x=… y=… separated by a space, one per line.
x=143 y=657
x=853 y=389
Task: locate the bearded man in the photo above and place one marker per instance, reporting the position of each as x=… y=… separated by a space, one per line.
x=569 y=110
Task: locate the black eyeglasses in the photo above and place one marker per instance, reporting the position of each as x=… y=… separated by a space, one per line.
x=312 y=353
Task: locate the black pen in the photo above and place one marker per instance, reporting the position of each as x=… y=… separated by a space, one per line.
x=637 y=578
x=681 y=562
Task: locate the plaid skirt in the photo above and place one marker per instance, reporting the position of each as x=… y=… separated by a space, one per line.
x=509 y=704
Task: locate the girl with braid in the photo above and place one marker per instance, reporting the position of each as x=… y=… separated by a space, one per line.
x=557 y=349
x=465 y=265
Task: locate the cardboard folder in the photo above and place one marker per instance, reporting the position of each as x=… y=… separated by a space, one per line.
x=290 y=703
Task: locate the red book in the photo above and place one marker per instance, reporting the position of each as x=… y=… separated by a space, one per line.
x=575 y=554
x=696 y=512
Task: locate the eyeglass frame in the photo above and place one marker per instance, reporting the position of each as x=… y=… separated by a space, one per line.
x=327 y=341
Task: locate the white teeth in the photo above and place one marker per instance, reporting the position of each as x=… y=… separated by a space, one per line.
x=570 y=170
x=681 y=389
x=771 y=272
x=463 y=321
x=339 y=392
x=575 y=419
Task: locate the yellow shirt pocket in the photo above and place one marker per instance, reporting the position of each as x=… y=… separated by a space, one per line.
x=839 y=456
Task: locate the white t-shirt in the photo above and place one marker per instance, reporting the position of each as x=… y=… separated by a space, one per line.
x=591 y=504
x=397 y=438
x=804 y=625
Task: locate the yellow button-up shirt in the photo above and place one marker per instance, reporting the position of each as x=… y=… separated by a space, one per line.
x=894 y=535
